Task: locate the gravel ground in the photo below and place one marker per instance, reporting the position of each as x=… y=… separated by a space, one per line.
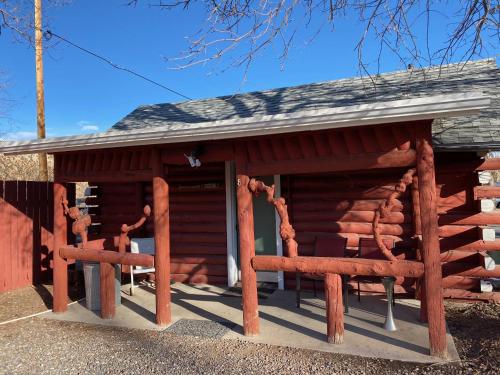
x=31 y=300
x=42 y=346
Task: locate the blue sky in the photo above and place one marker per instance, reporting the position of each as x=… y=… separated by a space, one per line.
x=84 y=95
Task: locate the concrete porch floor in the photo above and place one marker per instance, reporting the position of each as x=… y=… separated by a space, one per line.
x=281 y=322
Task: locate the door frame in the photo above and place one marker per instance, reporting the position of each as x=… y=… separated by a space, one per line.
x=233 y=274
x=231 y=225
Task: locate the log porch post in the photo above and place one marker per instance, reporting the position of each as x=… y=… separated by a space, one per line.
x=334 y=308
x=162 y=240
x=247 y=252
x=60 y=276
x=107 y=290
x=430 y=241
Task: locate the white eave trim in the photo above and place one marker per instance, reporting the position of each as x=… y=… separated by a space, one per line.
x=332 y=118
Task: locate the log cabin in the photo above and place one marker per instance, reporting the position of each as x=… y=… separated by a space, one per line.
x=335 y=151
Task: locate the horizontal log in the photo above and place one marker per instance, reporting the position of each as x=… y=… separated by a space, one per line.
x=194 y=227
x=349 y=216
x=382 y=192
x=473 y=257
x=361 y=181
x=201 y=238
x=464 y=269
x=346 y=266
x=461 y=282
x=360 y=228
x=469 y=231
x=107 y=256
x=308 y=238
x=466 y=244
x=481 y=192
x=466 y=295
x=481 y=218
x=358 y=162
x=185 y=207
x=315 y=205
x=198 y=217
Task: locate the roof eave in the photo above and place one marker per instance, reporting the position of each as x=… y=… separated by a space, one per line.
x=424 y=108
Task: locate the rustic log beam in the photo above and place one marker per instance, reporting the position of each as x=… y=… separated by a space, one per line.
x=467 y=295
x=466 y=269
x=479 y=258
x=351 y=216
x=344 y=266
x=469 y=245
x=345 y=205
x=161 y=210
x=60 y=238
x=481 y=218
x=247 y=252
x=461 y=282
x=334 y=308
x=107 y=290
x=430 y=242
x=481 y=192
x=359 y=162
x=107 y=256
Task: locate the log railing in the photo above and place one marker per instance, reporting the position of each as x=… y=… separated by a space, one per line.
x=343 y=266
x=333 y=268
x=106 y=259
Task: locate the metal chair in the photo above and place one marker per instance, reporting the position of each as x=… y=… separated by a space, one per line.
x=142 y=246
x=368 y=249
x=325 y=246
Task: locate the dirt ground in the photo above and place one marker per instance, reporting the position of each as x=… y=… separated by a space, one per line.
x=42 y=346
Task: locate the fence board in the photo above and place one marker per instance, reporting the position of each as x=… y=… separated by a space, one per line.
x=26 y=224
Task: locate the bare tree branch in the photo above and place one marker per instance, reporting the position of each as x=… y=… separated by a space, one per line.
x=243 y=28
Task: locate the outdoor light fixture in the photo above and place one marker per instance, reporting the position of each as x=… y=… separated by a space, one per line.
x=193 y=159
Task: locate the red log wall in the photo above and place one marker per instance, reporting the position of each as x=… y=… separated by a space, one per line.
x=197 y=219
x=344 y=204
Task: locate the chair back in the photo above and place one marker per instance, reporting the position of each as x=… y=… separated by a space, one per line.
x=330 y=246
x=368 y=248
x=142 y=245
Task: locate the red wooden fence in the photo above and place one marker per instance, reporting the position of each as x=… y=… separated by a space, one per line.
x=25 y=233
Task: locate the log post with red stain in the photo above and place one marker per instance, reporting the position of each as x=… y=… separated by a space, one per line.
x=107 y=290
x=162 y=240
x=247 y=252
x=60 y=238
x=430 y=242
x=334 y=308
x=417 y=224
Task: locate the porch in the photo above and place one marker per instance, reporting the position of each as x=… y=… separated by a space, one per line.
x=204 y=310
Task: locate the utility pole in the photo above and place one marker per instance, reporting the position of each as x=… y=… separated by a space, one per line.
x=40 y=100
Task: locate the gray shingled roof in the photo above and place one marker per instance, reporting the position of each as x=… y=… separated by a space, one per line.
x=478 y=132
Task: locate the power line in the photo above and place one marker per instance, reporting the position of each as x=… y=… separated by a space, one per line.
x=49 y=34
